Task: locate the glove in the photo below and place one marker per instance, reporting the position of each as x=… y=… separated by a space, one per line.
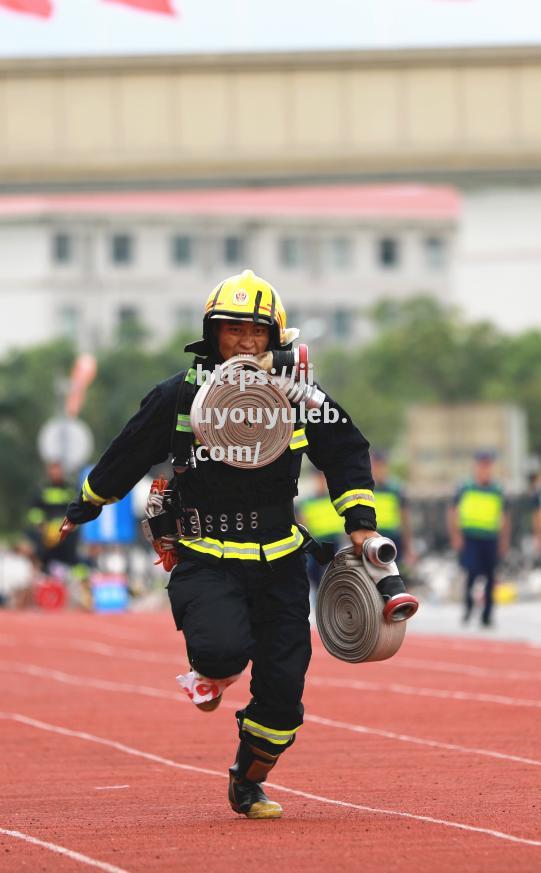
x=80 y=511
x=154 y=504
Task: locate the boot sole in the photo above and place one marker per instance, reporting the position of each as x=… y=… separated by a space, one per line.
x=210 y=705
x=265 y=810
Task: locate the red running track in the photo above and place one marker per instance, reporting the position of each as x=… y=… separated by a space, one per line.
x=428 y=762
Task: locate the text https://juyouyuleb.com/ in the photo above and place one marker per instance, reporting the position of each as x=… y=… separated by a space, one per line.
x=261 y=416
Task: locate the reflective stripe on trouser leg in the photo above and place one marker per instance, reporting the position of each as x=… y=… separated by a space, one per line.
x=278 y=738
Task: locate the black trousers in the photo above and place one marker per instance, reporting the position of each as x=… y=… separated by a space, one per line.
x=480 y=558
x=235 y=611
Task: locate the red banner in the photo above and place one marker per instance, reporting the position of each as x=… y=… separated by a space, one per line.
x=164 y=7
x=41 y=8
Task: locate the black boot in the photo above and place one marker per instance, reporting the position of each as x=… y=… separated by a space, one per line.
x=246 y=795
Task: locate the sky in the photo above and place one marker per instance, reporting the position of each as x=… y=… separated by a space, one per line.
x=95 y=27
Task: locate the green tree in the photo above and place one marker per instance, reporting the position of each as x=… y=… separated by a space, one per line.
x=425 y=352
x=30 y=380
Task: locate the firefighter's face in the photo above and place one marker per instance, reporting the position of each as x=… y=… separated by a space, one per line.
x=242 y=338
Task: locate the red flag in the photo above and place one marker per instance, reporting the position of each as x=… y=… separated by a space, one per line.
x=41 y=8
x=164 y=7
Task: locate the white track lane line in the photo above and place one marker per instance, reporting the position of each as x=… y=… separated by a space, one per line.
x=129 y=750
x=148 y=691
x=420 y=741
x=452 y=643
x=99 y=648
x=109 y=787
x=61 y=850
x=467 y=669
x=395 y=688
x=114 y=632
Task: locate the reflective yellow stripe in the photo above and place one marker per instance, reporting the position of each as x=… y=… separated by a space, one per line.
x=246 y=551
x=279 y=738
x=91 y=496
x=35 y=516
x=298 y=440
x=356 y=497
x=243 y=551
x=205 y=545
x=183 y=423
x=281 y=548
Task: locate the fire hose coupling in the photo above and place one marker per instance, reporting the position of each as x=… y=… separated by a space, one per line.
x=293 y=362
x=379 y=556
x=294 y=389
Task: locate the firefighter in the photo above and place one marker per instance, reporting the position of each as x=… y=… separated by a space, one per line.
x=391 y=507
x=479 y=529
x=239 y=591
x=44 y=517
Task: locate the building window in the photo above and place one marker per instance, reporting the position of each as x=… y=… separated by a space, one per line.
x=292 y=251
x=341 y=252
x=130 y=328
x=233 y=249
x=388 y=251
x=342 y=323
x=68 y=318
x=435 y=252
x=62 y=248
x=181 y=249
x=122 y=248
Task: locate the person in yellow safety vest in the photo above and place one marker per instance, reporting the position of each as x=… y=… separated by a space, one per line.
x=44 y=518
x=392 y=509
x=480 y=531
x=318 y=514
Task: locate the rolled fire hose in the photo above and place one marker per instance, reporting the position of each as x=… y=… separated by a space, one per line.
x=244 y=425
x=251 y=409
x=354 y=621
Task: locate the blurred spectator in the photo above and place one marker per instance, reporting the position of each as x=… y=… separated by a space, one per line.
x=534 y=493
x=392 y=510
x=16 y=575
x=323 y=522
x=44 y=519
x=480 y=529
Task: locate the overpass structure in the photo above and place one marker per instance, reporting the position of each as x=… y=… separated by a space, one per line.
x=166 y=121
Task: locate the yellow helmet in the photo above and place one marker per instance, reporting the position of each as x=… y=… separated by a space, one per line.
x=247 y=296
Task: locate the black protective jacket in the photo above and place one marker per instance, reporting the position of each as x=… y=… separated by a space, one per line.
x=339 y=450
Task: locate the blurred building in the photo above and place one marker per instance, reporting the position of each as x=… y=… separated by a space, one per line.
x=80 y=265
x=466 y=117
x=441 y=441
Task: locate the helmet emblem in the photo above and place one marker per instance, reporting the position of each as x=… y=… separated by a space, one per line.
x=240 y=296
